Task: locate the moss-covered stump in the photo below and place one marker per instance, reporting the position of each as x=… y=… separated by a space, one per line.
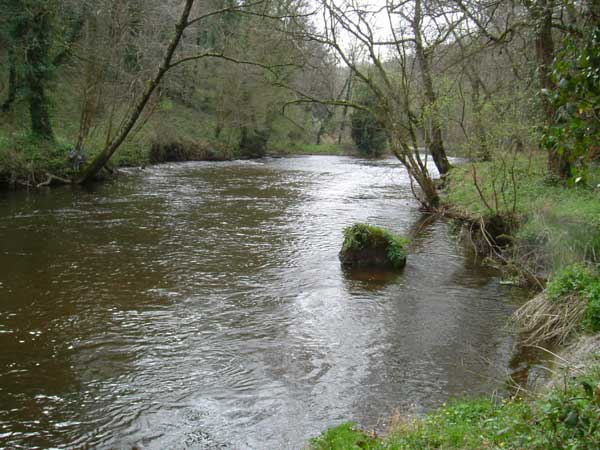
x=370 y=246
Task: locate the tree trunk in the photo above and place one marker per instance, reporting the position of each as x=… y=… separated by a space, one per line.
x=12 y=80
x=345 y=110
x=433 y=139
x=483 y=148
x=38 y=43
x=94 y=168
x=558 y=162
x=323 y=125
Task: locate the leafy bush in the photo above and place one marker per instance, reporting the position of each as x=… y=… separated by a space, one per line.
x=571 y=280
x=576 y=131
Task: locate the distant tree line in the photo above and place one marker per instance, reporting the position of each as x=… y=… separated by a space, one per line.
x=419 y=78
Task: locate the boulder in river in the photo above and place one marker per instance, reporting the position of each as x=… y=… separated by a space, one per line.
x=367 y=245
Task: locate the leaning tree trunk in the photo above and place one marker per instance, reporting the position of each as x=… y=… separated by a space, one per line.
x=38 y=42
x=100 y=161
x=433 y=140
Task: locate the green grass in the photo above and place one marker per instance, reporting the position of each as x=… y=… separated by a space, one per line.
x=564 y=418
x=346 y=436
x=25 y=157
x=560 y=225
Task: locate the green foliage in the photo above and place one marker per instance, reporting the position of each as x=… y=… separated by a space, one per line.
x=564 y=418
x=346 y=436
x=26 y=157
x=582 y=281
x=576 y=131
x=360 y=235
x=573 y=279
x=367 y=131
x=253 y=142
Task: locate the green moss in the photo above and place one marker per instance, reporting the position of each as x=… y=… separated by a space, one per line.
x=361 y=236
x=565 y=418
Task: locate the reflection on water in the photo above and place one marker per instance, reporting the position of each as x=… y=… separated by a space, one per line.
x=203 y=306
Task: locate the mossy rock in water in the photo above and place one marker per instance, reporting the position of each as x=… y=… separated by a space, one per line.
x=366 y=245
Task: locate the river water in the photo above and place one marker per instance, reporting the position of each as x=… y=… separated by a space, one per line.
x=202 y=306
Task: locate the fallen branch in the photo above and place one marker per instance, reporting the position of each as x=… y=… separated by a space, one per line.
x=52 y=178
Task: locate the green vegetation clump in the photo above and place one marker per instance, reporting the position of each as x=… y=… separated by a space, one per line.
x=564 y=418
x=370 y=245
x=581 y=281
x=346 y=436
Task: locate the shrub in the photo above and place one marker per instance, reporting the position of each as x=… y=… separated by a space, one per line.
x=572 y=279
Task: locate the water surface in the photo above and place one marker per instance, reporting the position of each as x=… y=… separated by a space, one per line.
x=202 y=306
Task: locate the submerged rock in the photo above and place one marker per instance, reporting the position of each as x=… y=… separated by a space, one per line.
x=367 y=245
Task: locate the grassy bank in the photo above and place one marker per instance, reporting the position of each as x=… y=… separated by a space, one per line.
x=566 y=417
x=170 y=131
x=553 y=225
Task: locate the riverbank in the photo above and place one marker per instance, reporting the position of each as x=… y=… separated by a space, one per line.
x=564 y=417
x=546 y=226
x=27 y=162
x=172 y=130
x=535 y=230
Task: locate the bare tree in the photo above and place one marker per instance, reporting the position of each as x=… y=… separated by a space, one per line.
x=391 y=68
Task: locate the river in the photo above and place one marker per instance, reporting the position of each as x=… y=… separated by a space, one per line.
x=202 y=306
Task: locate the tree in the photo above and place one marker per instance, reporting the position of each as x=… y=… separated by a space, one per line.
x=37 y=21
x=183 y=50
x=367 y=131
x=574 y=134
x=387 y=70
